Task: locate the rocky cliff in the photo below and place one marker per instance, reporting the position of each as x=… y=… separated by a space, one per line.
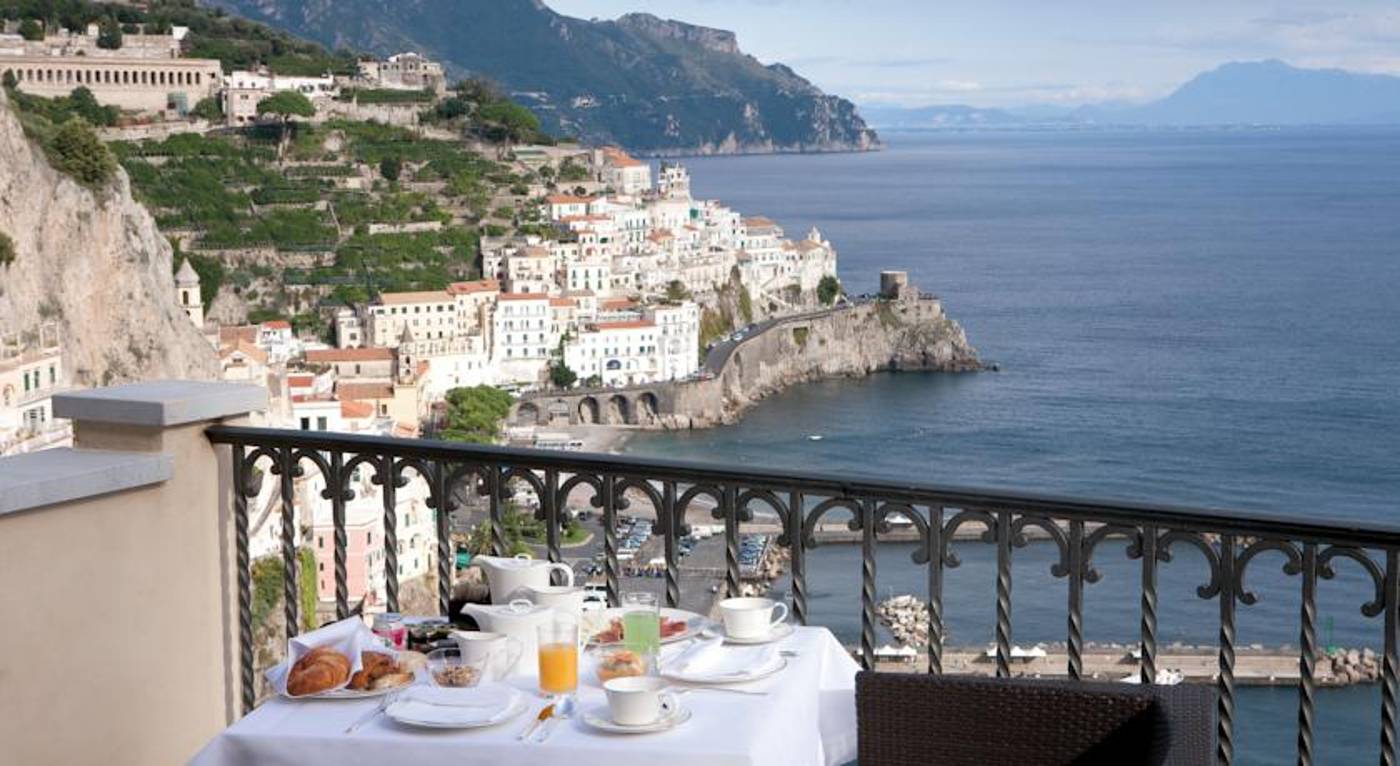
x=94 y=264
x=910 y=334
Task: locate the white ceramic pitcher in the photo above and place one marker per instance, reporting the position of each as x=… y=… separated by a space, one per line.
x=509 y=577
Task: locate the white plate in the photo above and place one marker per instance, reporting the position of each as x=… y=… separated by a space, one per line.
x=600 y=718
x=704 y=679
x=779 y=632
x=499 y=703
x=346 y=693
x=694 y=624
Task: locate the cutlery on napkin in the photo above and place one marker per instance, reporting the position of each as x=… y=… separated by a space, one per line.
x=712 y=658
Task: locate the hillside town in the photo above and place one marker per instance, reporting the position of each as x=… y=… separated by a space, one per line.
x=608 y=286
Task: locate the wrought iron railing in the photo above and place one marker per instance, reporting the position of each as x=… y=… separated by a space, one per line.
x=1227 y=541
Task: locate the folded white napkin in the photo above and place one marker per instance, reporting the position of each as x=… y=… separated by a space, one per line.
x=712 y=658
x=460 y=707
x=350 y=636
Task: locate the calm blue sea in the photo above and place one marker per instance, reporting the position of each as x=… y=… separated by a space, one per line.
x=1205 y=317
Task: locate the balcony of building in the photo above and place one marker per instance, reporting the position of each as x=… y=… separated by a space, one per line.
x=129 y=599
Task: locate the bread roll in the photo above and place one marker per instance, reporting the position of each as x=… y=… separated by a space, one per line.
x=318 y=670
x=390 y=680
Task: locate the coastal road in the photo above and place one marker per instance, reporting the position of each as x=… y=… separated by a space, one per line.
x=719 y=353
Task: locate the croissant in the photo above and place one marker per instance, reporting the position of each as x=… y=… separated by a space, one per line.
x=318 y=670
x=372 y=666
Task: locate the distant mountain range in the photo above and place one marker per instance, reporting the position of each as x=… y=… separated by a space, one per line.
x=649 y=84
x=1237 y=93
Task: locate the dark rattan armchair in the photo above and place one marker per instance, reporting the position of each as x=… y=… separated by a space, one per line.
x=908 y=719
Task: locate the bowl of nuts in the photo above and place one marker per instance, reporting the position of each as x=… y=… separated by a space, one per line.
x=447 y=667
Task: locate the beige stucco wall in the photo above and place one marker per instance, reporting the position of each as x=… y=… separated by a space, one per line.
x=139 y=84
x=117 y=640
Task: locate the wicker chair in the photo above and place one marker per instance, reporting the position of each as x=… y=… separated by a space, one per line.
x=908 y=719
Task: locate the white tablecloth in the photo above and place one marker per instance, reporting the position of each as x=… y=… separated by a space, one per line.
x=808 y=717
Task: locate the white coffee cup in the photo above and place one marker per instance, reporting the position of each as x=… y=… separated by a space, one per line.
x=499 y=652
x=751 y=617
x=639 y=700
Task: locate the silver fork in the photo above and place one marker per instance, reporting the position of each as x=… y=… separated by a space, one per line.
x=371 y=715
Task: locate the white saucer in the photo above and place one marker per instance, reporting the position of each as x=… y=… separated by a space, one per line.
x=601 y=719
x=779 y=632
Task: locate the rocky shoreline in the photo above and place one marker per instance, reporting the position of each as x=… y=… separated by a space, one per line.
x=906 y=618
x=904 y=334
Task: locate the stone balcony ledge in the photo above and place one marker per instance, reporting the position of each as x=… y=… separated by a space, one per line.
x=50 y=477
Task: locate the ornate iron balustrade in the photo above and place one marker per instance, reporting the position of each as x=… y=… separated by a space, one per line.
x=1229 y=542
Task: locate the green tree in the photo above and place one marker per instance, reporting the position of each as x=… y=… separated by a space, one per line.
x=561 y=375
x=31 y=29
x=675 y=291
x=475 y=414
x=9 y=81
x=208 y=108
x=109 y=34
x=745 y=305
x=391 y=167
x=285 y=105
x=78 y=151
x=828 y=289
x=508 y=122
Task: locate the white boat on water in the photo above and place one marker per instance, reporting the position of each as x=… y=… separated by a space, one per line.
x=814 y=437
x=1165 y=677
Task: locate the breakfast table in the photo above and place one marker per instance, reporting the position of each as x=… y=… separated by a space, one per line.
x=805 y=715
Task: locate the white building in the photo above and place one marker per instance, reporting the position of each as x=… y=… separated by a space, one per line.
x=523 y=336
x=678 y=328
x=616 y=353
x=29 y=377
x=627 y=176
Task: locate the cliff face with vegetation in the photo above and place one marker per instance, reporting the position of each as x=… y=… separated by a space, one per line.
x=92 y=262
x=905 y=335
x=653 y=85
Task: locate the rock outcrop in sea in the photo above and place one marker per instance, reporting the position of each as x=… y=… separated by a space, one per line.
x=910 y=333
x=92 y=263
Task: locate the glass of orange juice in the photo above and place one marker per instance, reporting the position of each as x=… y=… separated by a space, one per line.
x=559 y=655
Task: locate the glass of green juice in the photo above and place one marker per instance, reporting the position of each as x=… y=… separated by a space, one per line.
x=641 y=626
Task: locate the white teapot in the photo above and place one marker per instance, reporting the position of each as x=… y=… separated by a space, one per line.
x=520 y=621
x=509 y=576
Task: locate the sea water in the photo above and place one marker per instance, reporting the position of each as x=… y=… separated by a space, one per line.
x=1198 y=317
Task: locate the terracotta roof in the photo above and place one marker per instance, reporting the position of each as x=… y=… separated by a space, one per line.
x=635 y=324
x=621 y=159
x=333 y=355
x=354 y=409
x=523 y=297
x=351 y=391
x=759 y=222
x=247 y=349
x=660 y=235
x=568 y=199
x=562 y=302
x=405 y=430
x=277 y=324
x=301 y=379
x=422 y=368
x=425 y=296
x=234 y=333
x=617 y=303
x=479 y=286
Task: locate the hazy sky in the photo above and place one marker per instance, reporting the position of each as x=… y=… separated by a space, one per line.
x=1004 y=52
